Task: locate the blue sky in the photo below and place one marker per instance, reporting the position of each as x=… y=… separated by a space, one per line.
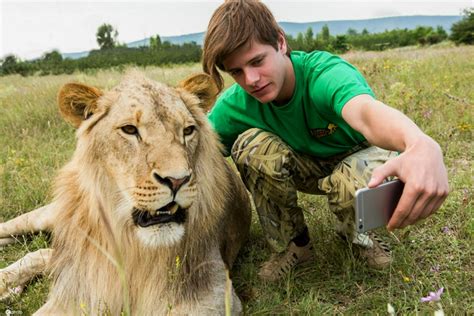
x=30 y=28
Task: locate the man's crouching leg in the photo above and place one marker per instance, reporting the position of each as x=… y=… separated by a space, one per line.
x=351 y=174
x=266 y=165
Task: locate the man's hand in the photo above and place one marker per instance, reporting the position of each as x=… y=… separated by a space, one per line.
x=422 y=170
x=420 y=165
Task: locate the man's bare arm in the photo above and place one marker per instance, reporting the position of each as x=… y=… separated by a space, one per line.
x=420 y=165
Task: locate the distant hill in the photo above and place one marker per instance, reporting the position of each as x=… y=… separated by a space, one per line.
x=335 y=27
x=373 y=25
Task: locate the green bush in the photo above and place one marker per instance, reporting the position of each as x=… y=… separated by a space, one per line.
x=462 y=32
x=53 y=63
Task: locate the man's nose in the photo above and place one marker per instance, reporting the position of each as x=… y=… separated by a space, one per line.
x=251 y=77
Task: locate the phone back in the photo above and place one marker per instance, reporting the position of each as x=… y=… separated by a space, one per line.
x=374 y=207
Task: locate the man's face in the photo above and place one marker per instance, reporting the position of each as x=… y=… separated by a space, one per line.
x=265 y=73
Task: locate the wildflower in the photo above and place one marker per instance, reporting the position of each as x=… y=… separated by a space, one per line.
x=439 y=311
x=434 y=296
x=445 y=230
x=404 y=277
x=177 y=262
x=83 y=307
x=464 y=127
x=390 y=309
x=435 y=268
x=427 y=114
x=16 y=290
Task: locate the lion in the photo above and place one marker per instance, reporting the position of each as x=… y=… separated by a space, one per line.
x=147 y=217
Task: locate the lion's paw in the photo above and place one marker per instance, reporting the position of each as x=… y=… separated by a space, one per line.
x=7 y=293
x=7 y=288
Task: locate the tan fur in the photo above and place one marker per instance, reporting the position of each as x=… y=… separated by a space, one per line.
x=77 y=102
x=104 y=262
x=200 y=85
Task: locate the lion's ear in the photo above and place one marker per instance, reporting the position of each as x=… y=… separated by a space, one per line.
x=204 y=87
x=77 y=102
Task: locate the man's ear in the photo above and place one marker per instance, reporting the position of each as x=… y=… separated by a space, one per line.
x=204 y=87
x=77 y=102
x=282 y=46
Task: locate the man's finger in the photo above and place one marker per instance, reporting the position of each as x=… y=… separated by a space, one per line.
x=422 y=205
x=382 y=172
x=429 y=208
x=428 y=202
x=436 y=204
x=403 y=209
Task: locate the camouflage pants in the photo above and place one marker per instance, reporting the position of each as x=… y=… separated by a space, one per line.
x=273 y=173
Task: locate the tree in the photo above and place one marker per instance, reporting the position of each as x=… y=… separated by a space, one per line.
x=106 y=36
x=462 y=32
x=9 y=65
x=309 y=39
x=441 y=32
x=53 y=57
x=352 y=32
x=325 y=33
x=434 y=37
x=340 y=44
x=299 y=41
x=155 y=42
x=12 y=65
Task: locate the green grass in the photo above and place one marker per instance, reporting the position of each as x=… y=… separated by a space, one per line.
x=433 y=86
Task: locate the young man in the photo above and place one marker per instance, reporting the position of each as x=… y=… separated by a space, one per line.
x=309 y=122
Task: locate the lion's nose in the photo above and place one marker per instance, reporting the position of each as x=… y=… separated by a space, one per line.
x=177 y=183
x=173 y=183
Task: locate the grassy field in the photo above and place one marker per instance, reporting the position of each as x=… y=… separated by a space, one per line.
x=434 y=86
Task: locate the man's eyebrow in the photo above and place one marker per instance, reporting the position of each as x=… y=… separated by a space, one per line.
x=259 y=56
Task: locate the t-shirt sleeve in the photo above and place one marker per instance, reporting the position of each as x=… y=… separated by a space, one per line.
x=335 y=85
x=219 y=122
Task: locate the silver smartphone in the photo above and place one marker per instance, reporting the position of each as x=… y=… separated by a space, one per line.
x=374 y=207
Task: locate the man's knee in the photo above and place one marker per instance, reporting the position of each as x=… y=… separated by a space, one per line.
x=245 y=142
x=262 y=152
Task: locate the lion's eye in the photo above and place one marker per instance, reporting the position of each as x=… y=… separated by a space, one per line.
x=188 y=130
x=129 y=129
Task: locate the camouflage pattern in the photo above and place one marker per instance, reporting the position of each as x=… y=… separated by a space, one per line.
x=273 y=173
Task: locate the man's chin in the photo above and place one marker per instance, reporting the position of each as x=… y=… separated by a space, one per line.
x=266 y=95
x=267 y=98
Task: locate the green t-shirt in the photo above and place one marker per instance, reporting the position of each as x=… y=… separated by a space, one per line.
x=311 y=122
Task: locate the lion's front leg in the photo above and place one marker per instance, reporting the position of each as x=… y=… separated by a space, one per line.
x=50 y=309
x=221 y=296
x=220 y=299
x=14 y=277
x=41 y=219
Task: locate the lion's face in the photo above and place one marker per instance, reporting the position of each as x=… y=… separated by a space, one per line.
x=145 y=137
x=147 y=142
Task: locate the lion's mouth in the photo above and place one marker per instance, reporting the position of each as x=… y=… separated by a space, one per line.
x=171 y=212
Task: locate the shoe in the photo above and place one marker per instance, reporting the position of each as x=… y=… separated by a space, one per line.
x=375 y=251
x=280 y=264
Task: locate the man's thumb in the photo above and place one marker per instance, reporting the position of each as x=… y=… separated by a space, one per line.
x=380 y=174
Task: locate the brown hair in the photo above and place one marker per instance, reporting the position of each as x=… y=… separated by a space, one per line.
x=233 y=24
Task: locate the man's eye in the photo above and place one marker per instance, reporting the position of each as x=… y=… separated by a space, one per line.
x=129 y=129
x=235 y=73
x=188 y=130
x=257 y=62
